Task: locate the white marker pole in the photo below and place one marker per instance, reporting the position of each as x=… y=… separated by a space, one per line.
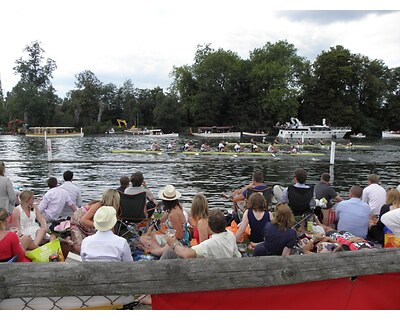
x=49 y=153
x=81 y=132
x=45 y=135
x=333 y=146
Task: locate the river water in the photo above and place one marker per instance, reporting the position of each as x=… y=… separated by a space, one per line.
x=96 y=168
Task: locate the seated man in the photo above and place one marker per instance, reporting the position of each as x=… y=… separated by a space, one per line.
x=123 y=183
x=221 y=244
x=54 y=201
x=299 y=197
x=353 y=215
x=255 y=147
x=272 y=148
x=187 y=147
x=139 y=186
x=155 y=146
x=257 y=184
x=237 y=147
x=222 y=147
x=323 y=190
x=204 y=147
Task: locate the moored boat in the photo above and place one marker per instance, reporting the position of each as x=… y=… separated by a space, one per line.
x=358 y=135
x=391 y=134
x=251 y=134
x=53 y=132
x=217 y=132
x=296 y=130
x=154 y=133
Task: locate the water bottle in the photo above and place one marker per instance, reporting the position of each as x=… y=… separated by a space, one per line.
x=310 y=223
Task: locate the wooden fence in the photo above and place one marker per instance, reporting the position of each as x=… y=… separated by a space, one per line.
x=19 y=280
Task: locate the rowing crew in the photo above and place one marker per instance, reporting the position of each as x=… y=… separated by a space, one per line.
x=222 y=147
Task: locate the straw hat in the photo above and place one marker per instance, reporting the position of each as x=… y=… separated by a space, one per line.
x=105 y=218
x=169 y=193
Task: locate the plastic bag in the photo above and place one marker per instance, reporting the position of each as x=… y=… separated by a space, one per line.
x=42 y=253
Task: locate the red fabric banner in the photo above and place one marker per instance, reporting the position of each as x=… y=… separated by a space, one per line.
x=374 y=292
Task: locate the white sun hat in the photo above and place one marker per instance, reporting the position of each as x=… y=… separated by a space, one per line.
x=169 y=193
x=105 y=218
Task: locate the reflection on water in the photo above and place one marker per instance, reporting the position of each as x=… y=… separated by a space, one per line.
x=27 y=166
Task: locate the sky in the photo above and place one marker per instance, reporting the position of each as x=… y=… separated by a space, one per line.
x=142 y=41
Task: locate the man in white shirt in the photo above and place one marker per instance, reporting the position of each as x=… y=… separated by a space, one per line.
x=221 y=147
x=104 y=245
x=74 y=193
x=374 y=194
x=54 y=201
x=222 y=243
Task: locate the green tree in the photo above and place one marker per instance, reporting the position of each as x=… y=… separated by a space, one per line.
x=347 y=89
x=276 y=81
x=30 y=97
x=391 y=109
x=169 y=115
x=86 y=100
x=211 y=90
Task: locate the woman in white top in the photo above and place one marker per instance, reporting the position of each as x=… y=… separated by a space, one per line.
x=25 y=217
x=7 y=193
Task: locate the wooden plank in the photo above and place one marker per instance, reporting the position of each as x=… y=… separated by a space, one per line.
x=125 y=278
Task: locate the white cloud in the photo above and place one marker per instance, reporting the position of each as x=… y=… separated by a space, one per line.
x=143 y=40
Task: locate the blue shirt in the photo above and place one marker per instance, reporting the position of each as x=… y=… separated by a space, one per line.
x=353 y=216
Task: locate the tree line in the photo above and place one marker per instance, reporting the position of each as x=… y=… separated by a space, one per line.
x=218 y=89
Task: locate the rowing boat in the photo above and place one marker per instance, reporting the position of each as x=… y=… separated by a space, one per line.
x=301 y=146
x=217 y=153
x=137 y=151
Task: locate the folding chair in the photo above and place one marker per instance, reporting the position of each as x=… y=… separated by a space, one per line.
x=266 y=192
x=132 y=211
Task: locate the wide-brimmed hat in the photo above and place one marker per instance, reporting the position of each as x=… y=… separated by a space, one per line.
x=105 y=218
x=169 y=193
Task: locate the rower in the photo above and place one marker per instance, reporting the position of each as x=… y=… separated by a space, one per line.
x=237 y=147
x=293 y=149
x=204 y=147
x=350 y=143
x=155 y=147
x=272 y=148
x=310 y=141
x=255 y=148
x=187 y=147
x=169 y=147
x=321 y=142
x=221 y=146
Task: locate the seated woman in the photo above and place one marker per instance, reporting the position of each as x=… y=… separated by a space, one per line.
x=375 y=232
x=10 y=246
x=279 y=237
x=199 y=213
x=173 y=220
x=257 y=216
x=25 y=217
x=82 y=224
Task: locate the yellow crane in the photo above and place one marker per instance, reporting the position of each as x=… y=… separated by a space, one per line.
x=121 y=122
